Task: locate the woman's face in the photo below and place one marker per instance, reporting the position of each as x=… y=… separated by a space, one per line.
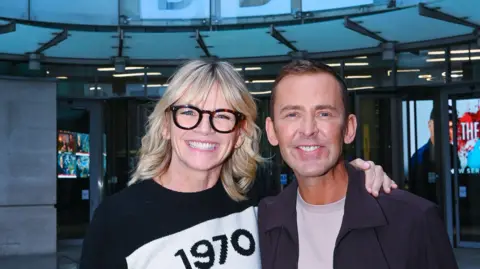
x=201 y=148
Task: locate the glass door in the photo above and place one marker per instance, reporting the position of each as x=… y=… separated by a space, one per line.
x=428 y=148
x=378 y=131
x=73 y=171
x=81 y=164
x=466 y=172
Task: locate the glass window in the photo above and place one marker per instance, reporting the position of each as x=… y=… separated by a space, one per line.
x=367 y=72
x=17 y=9
x=421 y=67
x=95 y=12
x=465 y=62
x=252 y=11
x=163 y=12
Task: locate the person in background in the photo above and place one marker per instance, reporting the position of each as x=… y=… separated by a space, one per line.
x=326 y=218
x=423 y=176
x=190 y=202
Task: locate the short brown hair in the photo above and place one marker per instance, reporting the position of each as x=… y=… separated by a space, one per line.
x=303 y=67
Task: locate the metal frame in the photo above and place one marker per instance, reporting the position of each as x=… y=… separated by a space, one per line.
x=8 y=28
x=455 y=95
x=57 y=39
x=327 y=15
x=356 y=27
x=280 y=38
x=401 y=47
x=433 y=13
x=201 y=44
x=443 y=167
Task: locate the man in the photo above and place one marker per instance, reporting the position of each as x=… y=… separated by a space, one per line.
x=326 y=218
x=422 y=178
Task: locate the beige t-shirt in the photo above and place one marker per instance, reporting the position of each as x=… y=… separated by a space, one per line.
x=318 y=228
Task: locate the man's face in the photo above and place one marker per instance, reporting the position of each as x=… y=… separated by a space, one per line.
x=431 y=128
x=309 y=125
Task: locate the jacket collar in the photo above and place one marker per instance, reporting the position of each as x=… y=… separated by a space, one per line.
x=362 y=210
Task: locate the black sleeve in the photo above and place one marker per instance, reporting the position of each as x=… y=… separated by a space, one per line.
x=439 y=251
x=96 y=243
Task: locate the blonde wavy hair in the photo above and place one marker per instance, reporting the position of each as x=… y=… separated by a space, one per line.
x=192 y=81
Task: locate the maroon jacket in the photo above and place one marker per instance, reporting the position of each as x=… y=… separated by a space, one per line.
x=394 y=231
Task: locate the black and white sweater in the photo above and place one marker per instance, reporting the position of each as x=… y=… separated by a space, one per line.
x=147 y=226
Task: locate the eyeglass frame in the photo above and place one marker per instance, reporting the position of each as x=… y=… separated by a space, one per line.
x=238 y=117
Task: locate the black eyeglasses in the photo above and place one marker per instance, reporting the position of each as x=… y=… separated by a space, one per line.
x=188 y=117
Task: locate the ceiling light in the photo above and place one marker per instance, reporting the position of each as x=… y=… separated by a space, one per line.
x=389 y=72
x=454 y=52
x=62 y=77
x=356 y=64
x=436 y=60
x=93 y=88
x=360 y=57
x=136 y=74
x=258 y=93
x=425 y=76
x=358 y=77
x=103 y=69
x=156 y=85
x=263 y=81
x=453 y=72
x=252 y=68
x=347 y=64
x=361 y=88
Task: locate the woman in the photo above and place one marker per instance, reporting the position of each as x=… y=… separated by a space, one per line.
x=188 y=204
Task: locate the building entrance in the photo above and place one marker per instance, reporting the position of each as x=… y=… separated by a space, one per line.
x=81 y=160
x=427 y=140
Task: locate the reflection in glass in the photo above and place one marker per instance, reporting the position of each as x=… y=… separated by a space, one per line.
x=367 y=72
x=421 y=67
x=465 y=61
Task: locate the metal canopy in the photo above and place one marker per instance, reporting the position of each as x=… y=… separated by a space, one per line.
x=356 y=27
x=201 y=44
x=57 y=39
x=8 y=28
x=439 y=15
x=409 y=28
x=278 y=36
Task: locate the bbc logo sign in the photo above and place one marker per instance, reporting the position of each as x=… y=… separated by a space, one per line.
x=181 y=4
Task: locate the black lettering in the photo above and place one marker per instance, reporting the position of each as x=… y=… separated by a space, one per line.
x=208 y=253
x=236 y=245
x=223 y=247
x=185 y=261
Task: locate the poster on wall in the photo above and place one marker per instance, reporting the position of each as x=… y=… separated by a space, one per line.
x=468 y=141
x=174 y=9
x=73 y=155
x=422 y=137
x=250 y=8
x=315 y=5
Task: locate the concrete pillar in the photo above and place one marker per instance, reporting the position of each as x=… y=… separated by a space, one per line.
x=27 y=166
